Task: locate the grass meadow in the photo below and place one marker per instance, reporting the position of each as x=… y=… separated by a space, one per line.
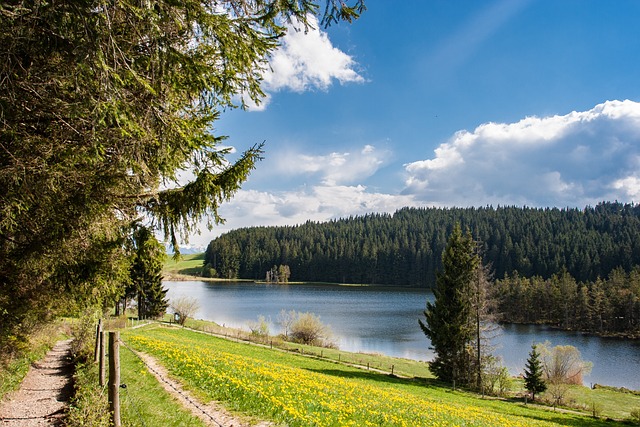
x=304 y=391
x=187 y=265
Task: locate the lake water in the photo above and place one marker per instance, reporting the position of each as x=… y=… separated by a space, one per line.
x=385 y=320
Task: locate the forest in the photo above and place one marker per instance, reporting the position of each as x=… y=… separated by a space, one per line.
x=405 y=248
x=575 y=269
x=607 y=306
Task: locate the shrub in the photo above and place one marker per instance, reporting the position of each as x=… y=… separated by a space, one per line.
x=185 y=308
x=260 y=328
x=308 y=329
x=208 y=271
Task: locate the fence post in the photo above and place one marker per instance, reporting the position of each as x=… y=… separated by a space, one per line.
x=114 y=377
x=102 y=366
x=97 y=349
x=392 y=369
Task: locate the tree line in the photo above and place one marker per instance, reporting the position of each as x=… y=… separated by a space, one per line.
x=607 y=306
x=405 y=248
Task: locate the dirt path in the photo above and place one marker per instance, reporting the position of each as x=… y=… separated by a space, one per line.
x=212 y=413
x=43 y=395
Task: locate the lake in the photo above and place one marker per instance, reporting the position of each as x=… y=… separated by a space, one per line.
x=385 y=320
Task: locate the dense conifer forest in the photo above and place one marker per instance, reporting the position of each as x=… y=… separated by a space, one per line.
x=405 y=248
x=572 y=268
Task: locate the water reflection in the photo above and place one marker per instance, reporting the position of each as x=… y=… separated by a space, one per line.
x=385 y=320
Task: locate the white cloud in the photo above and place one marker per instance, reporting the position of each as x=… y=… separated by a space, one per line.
x=334 y=168
x=630 y=186
x=308 y=60
x=571 y=160
x=316 y=203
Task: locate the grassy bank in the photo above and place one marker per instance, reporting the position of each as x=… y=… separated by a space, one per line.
x=287 y=388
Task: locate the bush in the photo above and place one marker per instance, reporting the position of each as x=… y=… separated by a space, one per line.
x=635 y=415
x=260 y=328
x=308 y=329
x=185 y=308
x=83 y=331
x=208 y=271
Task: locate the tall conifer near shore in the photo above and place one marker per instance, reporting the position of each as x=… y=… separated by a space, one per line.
x=533 y=374
x=447 y=323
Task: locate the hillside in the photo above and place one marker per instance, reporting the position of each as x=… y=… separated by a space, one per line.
x=405 y=248
x=187 y=265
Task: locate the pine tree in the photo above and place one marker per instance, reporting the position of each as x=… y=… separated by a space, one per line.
x=448 y=323
x=146 y=274
x=533 y=380
x=103 y=104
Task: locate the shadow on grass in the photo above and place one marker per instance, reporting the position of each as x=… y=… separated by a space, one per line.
x=377 y=376
x=572 y=420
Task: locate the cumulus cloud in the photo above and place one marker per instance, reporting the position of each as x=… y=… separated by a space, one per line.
x=335 y=168
x=306 y=60
x=316 y=203
x=566 y=160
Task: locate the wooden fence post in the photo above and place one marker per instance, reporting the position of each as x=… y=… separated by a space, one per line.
x=97 y=349
x=102 y=367
x=114 y=377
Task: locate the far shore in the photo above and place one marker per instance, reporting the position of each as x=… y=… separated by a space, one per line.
x=176 y=277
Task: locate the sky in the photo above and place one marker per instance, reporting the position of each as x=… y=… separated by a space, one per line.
x=437 y=103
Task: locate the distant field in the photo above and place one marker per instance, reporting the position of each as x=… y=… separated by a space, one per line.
x=187 y=265
x=300 y=391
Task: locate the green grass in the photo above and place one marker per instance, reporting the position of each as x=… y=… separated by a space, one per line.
x=606 y=402
x=187 y=265
x=287 y=388
x=399 y=366
x=144 y=402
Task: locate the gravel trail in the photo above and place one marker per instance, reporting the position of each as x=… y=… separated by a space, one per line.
x=44 y=393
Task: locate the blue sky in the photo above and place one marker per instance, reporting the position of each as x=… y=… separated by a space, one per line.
x=441 y=103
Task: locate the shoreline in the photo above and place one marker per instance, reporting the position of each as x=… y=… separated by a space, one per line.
x=176 y=277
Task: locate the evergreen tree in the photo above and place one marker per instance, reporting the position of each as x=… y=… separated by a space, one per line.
x=447 y=322
x=103 y=104
x=533 y=373
x=146 y=274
